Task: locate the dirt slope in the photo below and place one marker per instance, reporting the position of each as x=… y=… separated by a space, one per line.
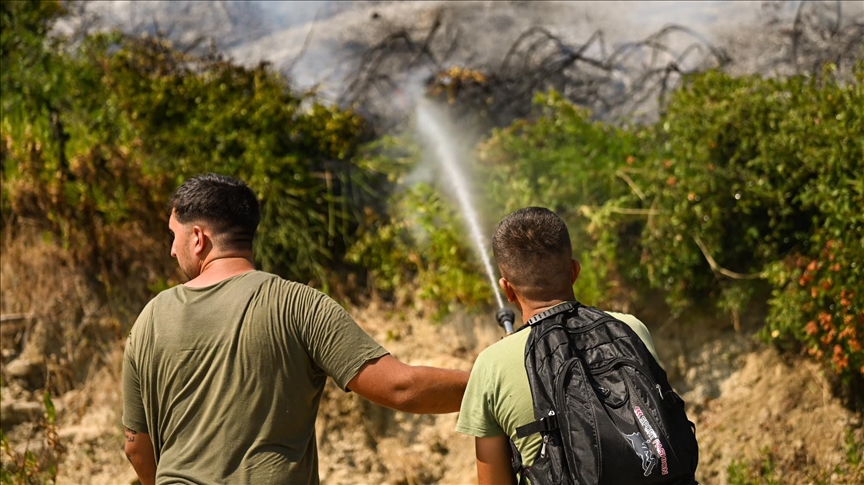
x=773 y=420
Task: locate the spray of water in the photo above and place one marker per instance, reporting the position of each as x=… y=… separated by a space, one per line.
x=431 y=129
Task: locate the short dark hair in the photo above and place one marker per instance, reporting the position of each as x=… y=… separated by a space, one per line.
x=227 y=204
x=533 y=250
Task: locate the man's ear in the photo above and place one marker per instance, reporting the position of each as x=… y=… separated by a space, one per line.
x=575 y=269
x=200 y=239
x=507 y=288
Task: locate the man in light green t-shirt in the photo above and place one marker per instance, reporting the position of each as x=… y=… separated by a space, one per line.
x=223 y=375
x=534 y=255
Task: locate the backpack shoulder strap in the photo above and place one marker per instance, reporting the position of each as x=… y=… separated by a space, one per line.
x=550 y=422
x=555 y=310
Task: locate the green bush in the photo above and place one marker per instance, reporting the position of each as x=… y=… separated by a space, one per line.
x=759 y=187
x=747 y=188
x=97 y=134
x=417 y=247
x=563 y=160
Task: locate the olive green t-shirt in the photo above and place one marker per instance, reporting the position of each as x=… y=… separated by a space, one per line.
x=227 y=379
x=498 y=397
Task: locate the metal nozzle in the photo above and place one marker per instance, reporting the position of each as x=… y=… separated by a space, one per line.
x=505 y=318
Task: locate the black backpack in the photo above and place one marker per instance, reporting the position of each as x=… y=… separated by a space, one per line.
x=603 y=405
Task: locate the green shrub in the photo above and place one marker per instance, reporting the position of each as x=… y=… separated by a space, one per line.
x=579 y=168
x=418 y=247
x=746 y=188
x=97 y=134
x=759 y=185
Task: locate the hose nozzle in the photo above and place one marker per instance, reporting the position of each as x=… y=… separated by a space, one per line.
x=505 y=318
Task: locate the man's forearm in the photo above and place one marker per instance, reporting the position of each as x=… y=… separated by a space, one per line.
x=139 y=451
x=435 y=391
x=413 y=389
x=145 y=468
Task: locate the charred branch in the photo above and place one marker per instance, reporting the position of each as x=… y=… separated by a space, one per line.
x=631 y=80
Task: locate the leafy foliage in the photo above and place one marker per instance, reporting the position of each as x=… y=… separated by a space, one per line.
x=419 y=242
x=575 y=166
x=745 y=187
x=759 y=183
x=95 y=138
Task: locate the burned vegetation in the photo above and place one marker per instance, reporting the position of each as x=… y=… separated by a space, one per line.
x=626 y=81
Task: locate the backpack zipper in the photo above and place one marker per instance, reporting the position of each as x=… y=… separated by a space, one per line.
x=560 y=392
x=587 y=328
x=563 y=424
x=545 y=439
x=647 y=374
x=630 y=363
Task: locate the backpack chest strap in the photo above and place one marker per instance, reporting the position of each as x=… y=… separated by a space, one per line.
x=543 y=425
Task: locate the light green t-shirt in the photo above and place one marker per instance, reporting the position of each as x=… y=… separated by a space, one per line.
x=227 y=379
x=498 y=398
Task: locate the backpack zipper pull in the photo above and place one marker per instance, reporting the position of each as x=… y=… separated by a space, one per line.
x=659 y=390
x=546 y=437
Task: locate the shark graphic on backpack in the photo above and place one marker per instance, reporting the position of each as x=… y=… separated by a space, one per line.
x=603 y=405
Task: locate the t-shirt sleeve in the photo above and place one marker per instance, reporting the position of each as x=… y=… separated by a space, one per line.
x=134 y=417
x=333 y=339
x=476 y=416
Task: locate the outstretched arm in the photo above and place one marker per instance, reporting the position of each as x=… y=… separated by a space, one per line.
x=413 y=389
x=139 y=451
x=493 y=461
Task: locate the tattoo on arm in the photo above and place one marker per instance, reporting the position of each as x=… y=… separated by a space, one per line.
x=130 y=435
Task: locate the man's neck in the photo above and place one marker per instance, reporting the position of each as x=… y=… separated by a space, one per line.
x=534 y=307
x=221 y=269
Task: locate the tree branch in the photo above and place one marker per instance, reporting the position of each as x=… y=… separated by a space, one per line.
x=719 y=269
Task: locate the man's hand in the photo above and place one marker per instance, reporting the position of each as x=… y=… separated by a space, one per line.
x=493 y=461
x=413 y=389
x=139 y=451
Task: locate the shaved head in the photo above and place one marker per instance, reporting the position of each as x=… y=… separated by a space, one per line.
x=533 y=251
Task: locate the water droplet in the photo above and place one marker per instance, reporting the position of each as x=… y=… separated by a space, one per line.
x=750 y=184
x=706 y=218
x=738 y=195
x=831 y=306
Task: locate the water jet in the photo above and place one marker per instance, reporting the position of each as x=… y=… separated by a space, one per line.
x=430 y=126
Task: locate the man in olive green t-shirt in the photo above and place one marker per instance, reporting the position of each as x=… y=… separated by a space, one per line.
x=534 y=255
x=222 y=376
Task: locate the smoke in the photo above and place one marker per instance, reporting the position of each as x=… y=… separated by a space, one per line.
x=323 y=44
x=380 y=56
